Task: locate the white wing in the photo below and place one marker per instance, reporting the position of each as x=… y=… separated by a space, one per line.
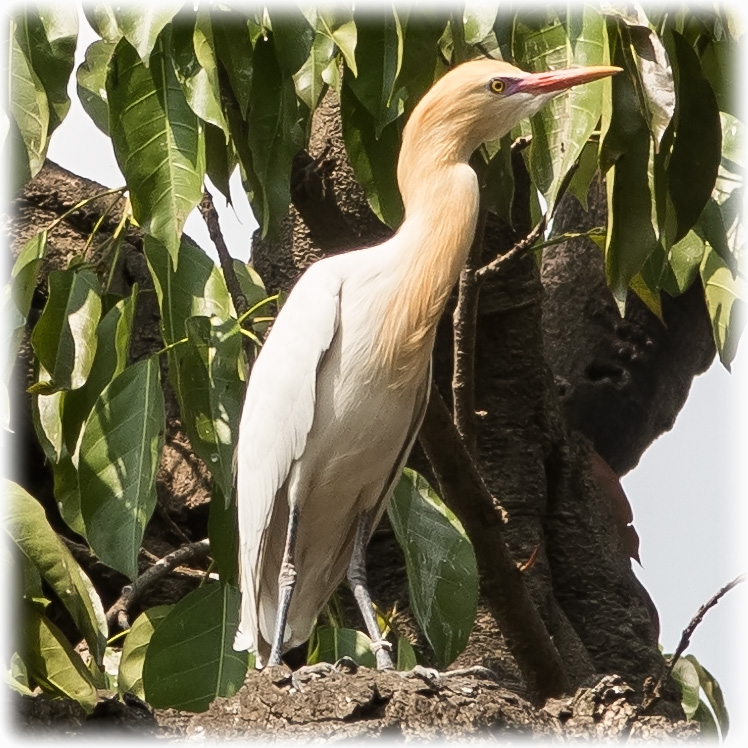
x=276 y=420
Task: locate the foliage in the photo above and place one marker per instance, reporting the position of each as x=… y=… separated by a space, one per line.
x=694 y=680
x=189 y=94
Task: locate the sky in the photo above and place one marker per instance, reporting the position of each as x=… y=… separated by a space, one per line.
x=687 y=493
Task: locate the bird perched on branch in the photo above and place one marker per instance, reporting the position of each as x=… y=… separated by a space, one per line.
x=337 y=395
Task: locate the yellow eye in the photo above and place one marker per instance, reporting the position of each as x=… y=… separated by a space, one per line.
x=497 y=85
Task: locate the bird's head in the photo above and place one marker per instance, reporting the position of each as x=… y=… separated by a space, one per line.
x=484 y=99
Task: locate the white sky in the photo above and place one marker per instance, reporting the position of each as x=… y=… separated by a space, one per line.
x=688 y=493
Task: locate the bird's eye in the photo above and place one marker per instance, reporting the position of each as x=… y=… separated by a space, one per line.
x=497 y=85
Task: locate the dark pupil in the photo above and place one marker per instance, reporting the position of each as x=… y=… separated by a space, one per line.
x=497 y=86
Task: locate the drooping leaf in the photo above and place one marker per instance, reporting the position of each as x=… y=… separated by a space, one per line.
x=29 y=109
x=684 y=259
x=25 y=522
x=726 y=297
x=561 y=129
x=52 y=662
x=112 y=354
x=235 y=54
x=688 y=678
x=697 y=149
x=119 y=456
x=46 y=413
x=211 y=392
x=17 y=296
x=195 y=63
x=158 y=140
x=374 y=160
x=220 y=160
x=713 y=692
x=91 y=77
x=406 y=655
x=442 y=571
x=478 y=19
x=141 y=24
x=293 y=36
x=190 y=659
x=223 y=534
x=64 y=338
x=649 y=67
x=130 y=675
x=330 y=643
x=274 y=136
x=380 y=45
x=338 y=24
x=309 y=80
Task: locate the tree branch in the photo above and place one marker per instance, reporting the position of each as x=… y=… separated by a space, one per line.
x=522 y=246
x=118 y=612
x=464 y=324
x=210 y=216
x=463 y=490
x=656 y=693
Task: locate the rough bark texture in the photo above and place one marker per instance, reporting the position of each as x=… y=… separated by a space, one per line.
x=559 y=374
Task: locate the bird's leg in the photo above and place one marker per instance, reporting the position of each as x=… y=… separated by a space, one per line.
x=357 y=580
x=286 y=582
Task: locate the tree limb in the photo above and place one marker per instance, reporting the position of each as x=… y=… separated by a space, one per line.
x=118 y=612
x=464 y=323
x=656 y=693
x=463 y=490
x=210 y=216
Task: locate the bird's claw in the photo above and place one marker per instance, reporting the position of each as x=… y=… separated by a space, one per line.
x=320 y=670
x=430 y=676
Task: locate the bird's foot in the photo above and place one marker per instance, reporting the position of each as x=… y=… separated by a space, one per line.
x=435 y=679
x=430 y=676
x=321 y=670
x=382 y=649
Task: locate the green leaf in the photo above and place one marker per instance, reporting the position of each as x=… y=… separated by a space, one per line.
x=374 y=160
x=223 y=534
x=91 y=77
x=579 y=185
x=713 y=692
x=234 y=51
x=119 y=456
x=130 y=675
x=25 y=522
x=190 y=659
x=196 y=66
x=697 y=149
x=380 y=44
x=406 y=655
x=211 y=393
x=67 y=492
x=649 y=67
x=726 y=296
x=141 y=25
x=220 y=160
x=684 y=259
x=478 y=19
x=274 y=136
x=309 y=80
x=561 y=129
x=330 y=643
x=64 y=338
x=112 y=355
x=48 y=36
x=52 y=662
x=293 y=36
x=46 y=412
x=633 y=229
x=29 y=109
x=337 y=23
x=442 y=572
x=687 y=678
x=158 y=141
x=17 y=296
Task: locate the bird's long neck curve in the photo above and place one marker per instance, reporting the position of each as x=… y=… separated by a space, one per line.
x=440 y=195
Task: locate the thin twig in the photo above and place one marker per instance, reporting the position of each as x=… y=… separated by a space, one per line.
x=118 y=612
x=502 y=583
x=656 y=693
x=210 y=216
x=519 y=248
x=464 y=325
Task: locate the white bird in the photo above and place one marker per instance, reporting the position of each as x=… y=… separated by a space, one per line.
x=338 y=392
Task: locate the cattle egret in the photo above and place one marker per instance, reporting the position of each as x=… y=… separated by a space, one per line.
x=338 y=392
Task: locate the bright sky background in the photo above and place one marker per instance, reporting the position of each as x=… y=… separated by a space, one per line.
x=688 y=492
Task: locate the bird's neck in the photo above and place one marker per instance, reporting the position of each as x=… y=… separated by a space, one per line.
x=440 y=194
